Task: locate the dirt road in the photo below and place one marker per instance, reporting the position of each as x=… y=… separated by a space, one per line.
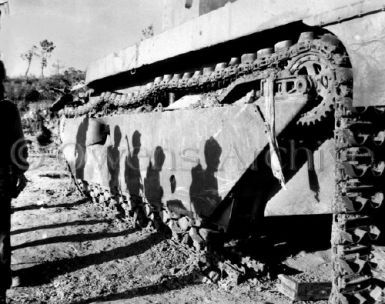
x=68 y=250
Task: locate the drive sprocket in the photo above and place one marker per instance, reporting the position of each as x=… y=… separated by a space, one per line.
x=319 y=70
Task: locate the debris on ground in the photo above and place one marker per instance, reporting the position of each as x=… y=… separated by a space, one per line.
x=68 y=250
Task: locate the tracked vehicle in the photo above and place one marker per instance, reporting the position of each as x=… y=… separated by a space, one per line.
x=253 y=109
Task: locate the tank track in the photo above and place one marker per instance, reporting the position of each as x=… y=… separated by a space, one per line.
x=216 y=83
x=184 y=229
x=325 y=64
x=359 y=137
x=225 y=267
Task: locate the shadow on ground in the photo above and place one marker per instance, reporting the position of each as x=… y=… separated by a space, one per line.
x=45 y=206
x=281 y=237
x=47 y=271
x=74 y=238
x=61 y=225
x=298 y=233
x=174 y=283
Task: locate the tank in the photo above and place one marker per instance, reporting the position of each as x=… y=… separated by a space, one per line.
x=240 y=111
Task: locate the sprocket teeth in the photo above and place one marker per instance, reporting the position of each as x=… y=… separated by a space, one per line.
x=317 y=114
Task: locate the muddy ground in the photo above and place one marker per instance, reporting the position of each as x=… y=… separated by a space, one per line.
x=68 y=250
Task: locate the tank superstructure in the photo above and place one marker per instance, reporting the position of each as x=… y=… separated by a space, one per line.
x=277 y=111
x=4 y=8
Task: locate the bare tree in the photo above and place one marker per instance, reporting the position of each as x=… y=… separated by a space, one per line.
x=28 y=56
x=45 y=51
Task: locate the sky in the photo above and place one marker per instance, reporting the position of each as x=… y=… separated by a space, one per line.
x=82 y=30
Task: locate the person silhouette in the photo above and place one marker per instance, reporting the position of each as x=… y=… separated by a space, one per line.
x=204 y=193
x=80 y=148
x=13 y=164
x=133 y=178
x=113 y=162
x=152 y=187
x=132 y=174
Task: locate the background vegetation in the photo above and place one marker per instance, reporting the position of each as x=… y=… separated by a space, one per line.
x=23 y=90
x=29 y=89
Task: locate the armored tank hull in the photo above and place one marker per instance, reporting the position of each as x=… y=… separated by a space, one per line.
x=220 y=131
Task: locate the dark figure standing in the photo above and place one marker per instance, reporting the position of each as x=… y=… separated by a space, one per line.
x=13 y=164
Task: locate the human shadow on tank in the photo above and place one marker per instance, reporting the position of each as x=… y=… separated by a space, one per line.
x=257 y=185
x=132 y=175
x=113 y=162
x=80 y=148
x=283 y=236
x=152 y=187
x=204 y=194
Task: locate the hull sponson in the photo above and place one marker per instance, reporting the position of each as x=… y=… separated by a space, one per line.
x=203 y=160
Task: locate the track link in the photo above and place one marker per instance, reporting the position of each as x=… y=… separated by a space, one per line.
x=359 y=194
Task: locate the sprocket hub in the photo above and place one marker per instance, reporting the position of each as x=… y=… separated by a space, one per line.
x=321 y=73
